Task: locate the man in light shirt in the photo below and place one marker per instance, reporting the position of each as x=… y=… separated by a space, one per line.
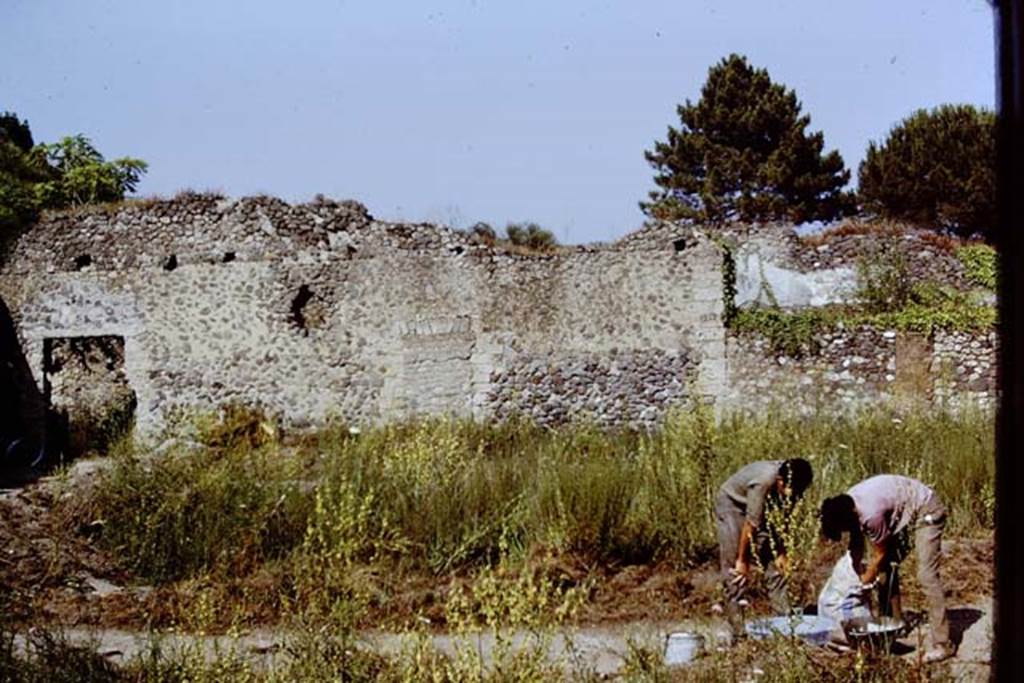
x=885 y=509
x=744 y=538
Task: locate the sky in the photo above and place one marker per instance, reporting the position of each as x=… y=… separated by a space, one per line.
x=459 y=111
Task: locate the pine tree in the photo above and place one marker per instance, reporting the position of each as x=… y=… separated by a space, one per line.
x=742 y=154
x=936 y=169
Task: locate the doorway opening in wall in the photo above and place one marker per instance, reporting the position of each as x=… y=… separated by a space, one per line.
x=89 y=401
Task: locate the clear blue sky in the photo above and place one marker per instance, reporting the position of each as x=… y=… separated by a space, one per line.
x=461 y=110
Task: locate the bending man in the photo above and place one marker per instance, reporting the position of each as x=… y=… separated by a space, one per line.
x=744 y=537
x=885 y=508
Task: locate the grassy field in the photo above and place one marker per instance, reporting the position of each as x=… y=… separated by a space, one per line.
x=321 y=531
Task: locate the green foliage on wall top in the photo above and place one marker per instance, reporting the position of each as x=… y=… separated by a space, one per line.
x=797 y=333
x=981 y=264
x=67 y=173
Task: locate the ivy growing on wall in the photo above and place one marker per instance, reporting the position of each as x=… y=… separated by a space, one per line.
x=729 y=309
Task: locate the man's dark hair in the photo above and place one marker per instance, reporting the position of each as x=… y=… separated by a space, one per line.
x=797 y=474
x=838 y=514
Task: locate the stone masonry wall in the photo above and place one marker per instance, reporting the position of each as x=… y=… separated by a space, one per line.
x=964 y=368
x=317 y=310
x=852 y=368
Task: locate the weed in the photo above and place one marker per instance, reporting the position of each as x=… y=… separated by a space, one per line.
x=980 y=263
x=326 y=530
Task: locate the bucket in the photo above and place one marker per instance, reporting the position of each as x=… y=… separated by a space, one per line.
x=683 y=648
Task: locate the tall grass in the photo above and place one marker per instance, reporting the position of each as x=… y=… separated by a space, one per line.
x=339 y=518
x=444 y=496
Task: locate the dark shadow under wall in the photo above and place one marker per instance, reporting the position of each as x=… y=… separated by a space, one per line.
x=23 y=409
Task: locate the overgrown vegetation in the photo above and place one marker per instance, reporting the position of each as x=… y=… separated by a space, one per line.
x=797 y=333
x=315 y=657
x=342 y=516
x=887 y=297
x=778 y=660
x=526 y=237
x=981 y=264
x=70 y=172
x=316 y=534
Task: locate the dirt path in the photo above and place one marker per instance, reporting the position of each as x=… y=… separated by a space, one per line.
x=974 y=655
x=600 y=650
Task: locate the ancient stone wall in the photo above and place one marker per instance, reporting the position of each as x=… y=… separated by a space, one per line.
x=317 y=310
x=864 y=366
x=964 y=368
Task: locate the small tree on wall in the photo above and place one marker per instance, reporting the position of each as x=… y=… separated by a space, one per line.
x=743 y=153
x=84 y=176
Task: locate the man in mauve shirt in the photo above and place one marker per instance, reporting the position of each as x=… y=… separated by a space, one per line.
x=743 y=536
x=885 y=509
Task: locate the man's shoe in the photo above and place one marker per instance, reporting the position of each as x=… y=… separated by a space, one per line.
x=938 y=654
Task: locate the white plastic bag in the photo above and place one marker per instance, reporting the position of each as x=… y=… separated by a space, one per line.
x=843 y=598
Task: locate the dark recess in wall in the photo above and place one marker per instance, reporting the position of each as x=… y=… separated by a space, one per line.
x=302 y=297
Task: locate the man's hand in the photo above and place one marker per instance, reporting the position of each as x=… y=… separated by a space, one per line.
x=740 y=571
x=742 y=568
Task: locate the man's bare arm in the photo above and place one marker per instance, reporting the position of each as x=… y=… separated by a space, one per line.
x=881 y=553
x=746 y=536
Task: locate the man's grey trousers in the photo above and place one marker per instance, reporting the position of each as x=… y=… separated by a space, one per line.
x=729 y=522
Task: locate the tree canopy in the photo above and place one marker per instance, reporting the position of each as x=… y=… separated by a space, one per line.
x=15 y=131
x=22 y=166
x=53 y=176
x=742 y=153
x=84 y=177
x=935 y=169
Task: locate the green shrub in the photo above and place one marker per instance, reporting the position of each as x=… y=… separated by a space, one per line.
x=189 y=511
x=530 y=236
x=792 y=333
x=981 y=264
x=884 y=281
